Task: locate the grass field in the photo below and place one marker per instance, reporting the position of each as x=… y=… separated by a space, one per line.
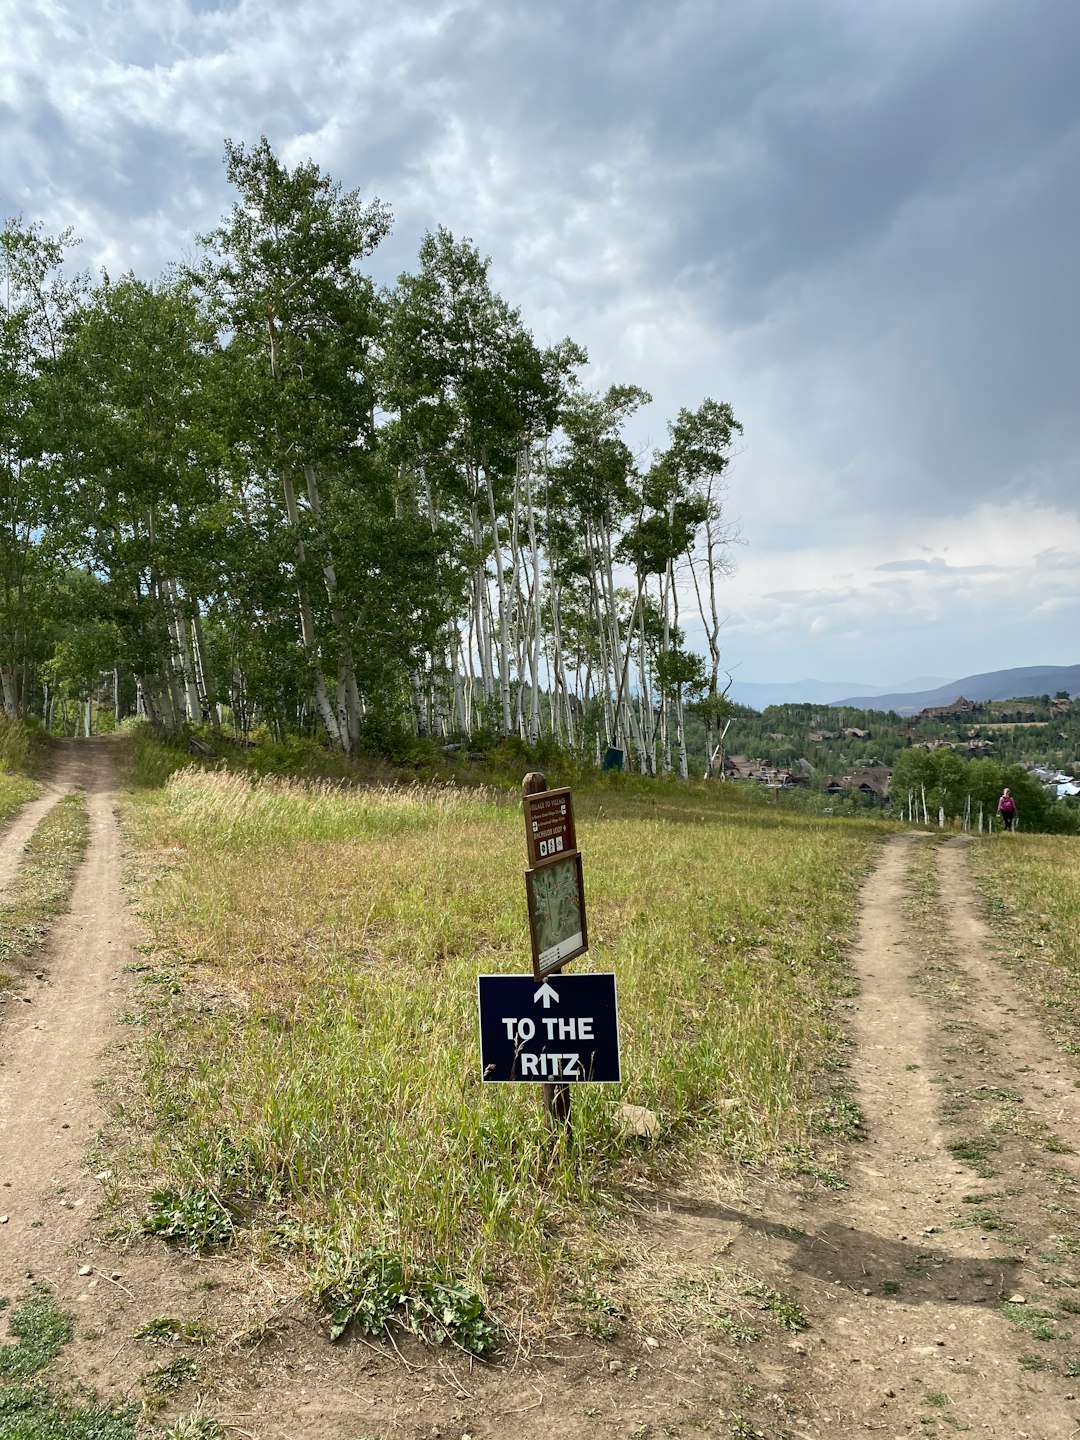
x=1032 y=889
x=313 y=1069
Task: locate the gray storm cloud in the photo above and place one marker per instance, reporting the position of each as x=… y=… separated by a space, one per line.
x=857 y=223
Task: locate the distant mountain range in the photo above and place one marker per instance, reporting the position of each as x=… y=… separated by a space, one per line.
x=821 y=692
x=996 y=685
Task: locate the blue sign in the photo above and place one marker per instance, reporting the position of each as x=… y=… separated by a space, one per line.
x=564 y=1028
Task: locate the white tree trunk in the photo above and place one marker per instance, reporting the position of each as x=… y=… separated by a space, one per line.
x=10 y=706
x=504 y=626
x=323 y=704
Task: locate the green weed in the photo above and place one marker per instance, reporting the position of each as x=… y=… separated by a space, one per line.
x=842 y=1118
x=40 y=1331
x=1035 y=1362
x=375 y=1293
x=165 y=1380
x=167 y=1331
x=974 y=1151
x=31 y=1413
x=1033 y=1321
x=982 y=1218
x=196 y=1219
x=732 y=1329
x=787 y=1313
x=590 y=1299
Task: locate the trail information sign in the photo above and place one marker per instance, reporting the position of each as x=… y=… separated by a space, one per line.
x=559 y=1030
x=549 y=825
x=557 y=922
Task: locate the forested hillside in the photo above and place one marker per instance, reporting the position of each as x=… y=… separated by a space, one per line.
x=1028 y=730
x=261 y=492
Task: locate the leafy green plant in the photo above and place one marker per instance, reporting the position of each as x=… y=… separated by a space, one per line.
x=734 y=1330
x=31 y=1413
x=842 y=1118
x=195 y=1218
x=591 y=1299
x=787 y=1313
x=165 y=1330
x=167 y=1379
x=40 y=1330
x=1035 y=1362
x=193 y=1427
x=375 y=1293
x=982 y=1218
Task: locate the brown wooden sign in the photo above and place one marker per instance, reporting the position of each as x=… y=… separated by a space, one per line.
x=549 y=826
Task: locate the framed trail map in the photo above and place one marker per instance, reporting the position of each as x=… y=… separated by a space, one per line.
x=556 y=913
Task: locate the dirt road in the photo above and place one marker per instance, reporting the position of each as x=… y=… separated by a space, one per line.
x=933 y=1284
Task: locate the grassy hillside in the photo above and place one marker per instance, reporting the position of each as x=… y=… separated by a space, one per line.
x=313 y=1070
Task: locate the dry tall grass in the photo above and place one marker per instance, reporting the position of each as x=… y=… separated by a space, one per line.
x=327 y=1056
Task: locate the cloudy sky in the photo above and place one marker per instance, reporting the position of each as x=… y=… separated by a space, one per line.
x=858 y=222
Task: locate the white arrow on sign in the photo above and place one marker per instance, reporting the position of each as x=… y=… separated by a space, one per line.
x=547 y=995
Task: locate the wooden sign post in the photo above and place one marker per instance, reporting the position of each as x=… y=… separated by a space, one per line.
x=556 y=894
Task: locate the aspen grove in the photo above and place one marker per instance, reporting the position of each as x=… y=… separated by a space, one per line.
x=263 y=492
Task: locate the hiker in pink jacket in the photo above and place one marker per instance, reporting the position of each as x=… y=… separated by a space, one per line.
x=1007 y=809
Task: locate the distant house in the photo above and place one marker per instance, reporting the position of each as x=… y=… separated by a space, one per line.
x=738 y=767
x=978 y=747
x=1059 y=707
x=818 y=737
x=853 y=734
x=875 y=782
x=959 y=707
x=787 y=778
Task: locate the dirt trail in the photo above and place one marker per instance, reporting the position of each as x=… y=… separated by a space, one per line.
x=900 y=1287
x=51 y=1056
